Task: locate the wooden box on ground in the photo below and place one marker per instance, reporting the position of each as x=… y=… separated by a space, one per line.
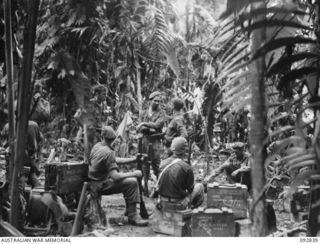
x=234 y=196
x=213 y=222
x=66 y=177
x=173 y=223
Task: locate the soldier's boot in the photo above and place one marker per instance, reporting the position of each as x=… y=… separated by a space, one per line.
x=126 y=210
x=133 y=216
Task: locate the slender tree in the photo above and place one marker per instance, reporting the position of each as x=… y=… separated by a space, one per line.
x=258 y=128
x=24 y=100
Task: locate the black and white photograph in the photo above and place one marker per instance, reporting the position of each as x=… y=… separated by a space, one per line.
x=159 y=119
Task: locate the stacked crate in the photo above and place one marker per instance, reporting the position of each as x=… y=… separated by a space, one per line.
x=225 y=204
x=213 y=222
x=172 y=222
x=234 y=196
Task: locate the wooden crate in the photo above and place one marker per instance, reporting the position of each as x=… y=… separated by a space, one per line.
x=234 y=196
x=213 y=222
x=172 y=223
x=66 y=177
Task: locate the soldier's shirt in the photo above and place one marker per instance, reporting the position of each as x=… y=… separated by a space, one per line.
x=176 y=127
x=177 y=181
x=156 y=117
x=102 y=162
x=34 y=137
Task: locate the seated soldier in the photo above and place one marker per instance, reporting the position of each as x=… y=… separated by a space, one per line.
x=236 y=168
x=176 y=181
x=104 y=170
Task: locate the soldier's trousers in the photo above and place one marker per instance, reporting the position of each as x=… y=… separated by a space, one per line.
x=128 y=187
x=153 y=148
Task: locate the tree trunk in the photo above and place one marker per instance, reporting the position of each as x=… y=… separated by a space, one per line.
x=10 y=77
x=313 y=225
x=258 y=130
x=24 y=100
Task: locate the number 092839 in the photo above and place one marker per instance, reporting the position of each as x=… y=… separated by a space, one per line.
x=309 y=239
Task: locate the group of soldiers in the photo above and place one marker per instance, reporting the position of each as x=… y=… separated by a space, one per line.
x=175 y=177
x=176 y=184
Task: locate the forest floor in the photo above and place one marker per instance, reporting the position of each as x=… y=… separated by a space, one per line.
x=114 y=207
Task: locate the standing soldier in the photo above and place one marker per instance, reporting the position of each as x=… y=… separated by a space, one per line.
x=176 y=126
x=100 y=105
x=34 y=138
x=151 y=128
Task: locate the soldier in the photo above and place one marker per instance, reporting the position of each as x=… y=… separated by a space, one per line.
x=151 y=128
x=176 y=181
x=100 y=105
x=103 y=169
x=176 y=126
x=236 y=168
x=32 y=151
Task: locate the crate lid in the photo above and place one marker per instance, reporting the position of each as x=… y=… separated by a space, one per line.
x=55 y=163
x=213 y=210
x=185 y=213
x=217 y=185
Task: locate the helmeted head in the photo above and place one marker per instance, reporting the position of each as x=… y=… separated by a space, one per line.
x=179 y=146
x=177 y=104
x=108 y=133
x=155 y=97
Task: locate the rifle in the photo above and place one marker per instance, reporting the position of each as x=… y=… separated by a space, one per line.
x=144 y=165
x=140 y=162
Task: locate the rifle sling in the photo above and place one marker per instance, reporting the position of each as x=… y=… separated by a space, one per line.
x=165 y=169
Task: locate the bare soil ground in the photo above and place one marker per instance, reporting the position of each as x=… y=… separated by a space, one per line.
x=114 y=207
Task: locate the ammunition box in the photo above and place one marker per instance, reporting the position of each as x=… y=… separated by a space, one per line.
x=172 y=223
x=66 y=177
x=234 y=196
x=171 y=207
x=213 y=222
